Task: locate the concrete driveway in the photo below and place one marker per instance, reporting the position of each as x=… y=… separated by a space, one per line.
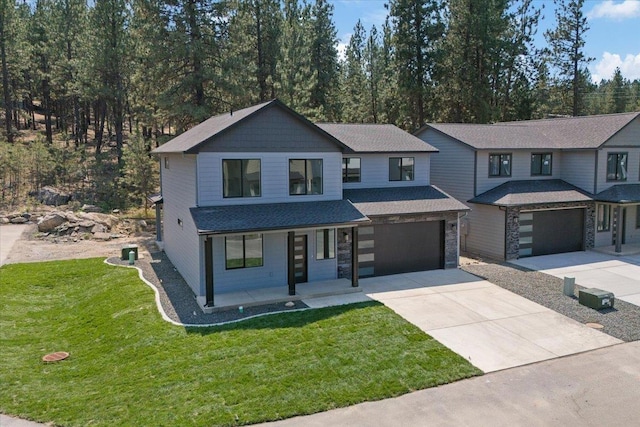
x=620 y=275
x=491 y=327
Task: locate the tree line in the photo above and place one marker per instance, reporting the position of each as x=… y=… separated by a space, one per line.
x=96 y=72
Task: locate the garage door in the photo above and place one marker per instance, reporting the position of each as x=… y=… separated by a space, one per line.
x=551 y=232
x=400 y=248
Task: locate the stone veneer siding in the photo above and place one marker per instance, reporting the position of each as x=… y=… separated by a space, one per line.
x=512 y=231
x=344 y=253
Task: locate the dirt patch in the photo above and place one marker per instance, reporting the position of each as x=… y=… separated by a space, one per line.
x=30 y=248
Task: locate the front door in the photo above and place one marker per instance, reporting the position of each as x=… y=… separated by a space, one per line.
x=300 y=258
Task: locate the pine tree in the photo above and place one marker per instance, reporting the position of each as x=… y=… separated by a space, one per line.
x=566 y=52
x=618 y=93
x=354 y=82
x=418 y=28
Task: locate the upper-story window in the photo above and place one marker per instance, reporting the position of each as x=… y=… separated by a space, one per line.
x=617 y=166
x=541 y=164
x=500 y=164
x=351 y=169
x=401 y=168
x=241 y=177
x=305 y=176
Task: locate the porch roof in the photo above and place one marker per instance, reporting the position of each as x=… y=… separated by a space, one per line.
x=621 y=193
x=532 y=192
x=403 y=200
x=275 y=216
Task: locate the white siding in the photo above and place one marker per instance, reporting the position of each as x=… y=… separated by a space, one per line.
x=374 y=170
x=181 y=242
x=274 y=180
x=520 y=168
x=578 y=168
x=486 y=231
x=273 y=272
x=452 y=167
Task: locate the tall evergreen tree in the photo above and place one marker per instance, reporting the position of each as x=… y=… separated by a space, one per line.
x=418 y=29
x=618 y=93
x=354 y=83
x=566 y=52
x=324 y=82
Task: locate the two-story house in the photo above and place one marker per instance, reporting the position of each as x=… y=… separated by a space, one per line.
x=542 y=186
x=262 y=197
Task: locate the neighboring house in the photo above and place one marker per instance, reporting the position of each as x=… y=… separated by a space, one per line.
x=542 y=186
x=254 y=199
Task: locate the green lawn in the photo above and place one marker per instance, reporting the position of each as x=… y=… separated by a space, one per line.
x=129 y=367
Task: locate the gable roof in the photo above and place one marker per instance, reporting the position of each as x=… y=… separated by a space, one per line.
x=191 y=140
x=532 y=192
x=376 y=138
x=583 y=132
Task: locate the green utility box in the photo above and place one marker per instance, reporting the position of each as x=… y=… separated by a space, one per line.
x=127 y=249
x=596 y=298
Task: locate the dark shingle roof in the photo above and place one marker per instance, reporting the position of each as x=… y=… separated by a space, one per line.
x=532 y=192
x=274 y=216
x=402 y=200
x=585 y=132
x=621 y=193
x=376 y=138
x=207 y=129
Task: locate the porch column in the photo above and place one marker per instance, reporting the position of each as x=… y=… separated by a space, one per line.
x=208 y=270
x=354 y=257
x=158 y=224
x=619 y=228
x=291 y=262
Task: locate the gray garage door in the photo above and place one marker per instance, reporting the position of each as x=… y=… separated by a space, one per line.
x=551 y=232
x=400 y=248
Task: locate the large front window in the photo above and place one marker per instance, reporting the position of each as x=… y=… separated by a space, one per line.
x=499 y=164
x=351 y=169
x=241 y=177
x=603 y=217
x=617 y=167
x=401 y=168
x=541 y=164
x=243 y=251
x=305 y=176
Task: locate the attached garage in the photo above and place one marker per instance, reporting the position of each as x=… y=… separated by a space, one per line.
x=551 y=231
x=385 y=249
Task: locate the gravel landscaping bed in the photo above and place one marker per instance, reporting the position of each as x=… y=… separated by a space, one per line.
x=622 y=321
x=179 y=302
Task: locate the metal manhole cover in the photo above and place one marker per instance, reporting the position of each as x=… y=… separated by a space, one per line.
x=594 y=325
x=55 y=357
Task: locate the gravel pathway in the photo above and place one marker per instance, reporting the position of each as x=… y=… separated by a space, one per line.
x=622 y=321
x=179 y=302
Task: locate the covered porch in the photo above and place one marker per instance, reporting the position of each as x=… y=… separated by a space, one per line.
x=623 y=204
x=271 y=251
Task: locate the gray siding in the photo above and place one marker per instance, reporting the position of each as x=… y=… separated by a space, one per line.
x=274 y=172
x=578 y=168
x=633 y=166
x=451 y=168
x=520 y=168
x=486 y=231
x=631 y=230
x=272 y=130
x=629 y=136
x=273 y=272
x=181 y=243
x=374 y=170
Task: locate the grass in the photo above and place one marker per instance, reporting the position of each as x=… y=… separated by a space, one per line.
x=129 y=367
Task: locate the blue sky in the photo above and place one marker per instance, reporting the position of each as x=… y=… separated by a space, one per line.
x=613 y=39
